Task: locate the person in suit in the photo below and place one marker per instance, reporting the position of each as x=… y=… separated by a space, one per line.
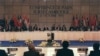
x=53 y=27
x=65 y=51
x=3 y=53
x=35 y=27
x=32 y=51
x=96 y=51
x=64 y=28
x=52 y=36
x=45 y=28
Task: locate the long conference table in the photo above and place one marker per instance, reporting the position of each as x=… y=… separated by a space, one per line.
x=58 y=35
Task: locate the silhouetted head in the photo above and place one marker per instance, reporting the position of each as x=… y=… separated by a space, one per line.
x=31 y=47
x=96 y=46
x=65 y=44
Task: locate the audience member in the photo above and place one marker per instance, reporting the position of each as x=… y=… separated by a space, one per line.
x=32 y=51
x=3 y=53
x=65 y=51
x=96 y=51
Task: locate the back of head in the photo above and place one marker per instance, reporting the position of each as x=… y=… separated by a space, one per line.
x=96 y=46
x=65 y=44
x=31 y=47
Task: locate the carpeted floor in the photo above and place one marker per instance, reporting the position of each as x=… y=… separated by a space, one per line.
x=37 y=42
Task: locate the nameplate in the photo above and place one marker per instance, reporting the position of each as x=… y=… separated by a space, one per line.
x=12 y=49
x=82 y=50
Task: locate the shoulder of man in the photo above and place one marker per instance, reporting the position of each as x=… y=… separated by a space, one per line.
x=70 y=50
x=2 y=50
x=26 y=52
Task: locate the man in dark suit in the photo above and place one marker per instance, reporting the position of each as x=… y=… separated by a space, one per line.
x=52 y=36
x=32 y=51
x=96 y=51
x=53 y=27
x=65 y=51
x=3 y=53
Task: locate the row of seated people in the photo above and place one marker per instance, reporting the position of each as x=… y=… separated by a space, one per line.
x=65 y=51
x=34 y=28
x=22 y=23
x=52 y=28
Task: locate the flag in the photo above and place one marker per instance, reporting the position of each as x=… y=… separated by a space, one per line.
x=17 y=23
x=26 y=20
x=92 y=21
